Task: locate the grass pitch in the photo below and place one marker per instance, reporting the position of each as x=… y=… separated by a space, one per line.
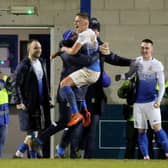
x=80 y=163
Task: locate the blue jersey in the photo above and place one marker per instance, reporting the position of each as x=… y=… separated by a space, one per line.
x=147 y=78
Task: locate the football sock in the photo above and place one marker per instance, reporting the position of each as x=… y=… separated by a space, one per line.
x=143 y=144
x=60 y=151
x=70 y=97
x=163 y=140
x=23 y=147
x=33 y=154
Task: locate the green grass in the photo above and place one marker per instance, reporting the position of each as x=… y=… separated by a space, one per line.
x=79 y=163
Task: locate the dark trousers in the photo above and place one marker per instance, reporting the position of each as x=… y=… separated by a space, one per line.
x=131 y=140
x=89 y=137
x=73 y=137
x=80 y=137
x=64 y=116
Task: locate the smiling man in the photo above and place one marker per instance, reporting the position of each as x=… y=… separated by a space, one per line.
x=32 y=96
x=149 y=72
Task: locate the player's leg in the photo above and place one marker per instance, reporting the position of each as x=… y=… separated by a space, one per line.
x=75 y=79
x=76 y=137
x=91 y=136
x=86 y=114
x=155 y=121
x=57 y=125
x=140 y=123
x=3 y=134
x=64 y=142
x=21 y=150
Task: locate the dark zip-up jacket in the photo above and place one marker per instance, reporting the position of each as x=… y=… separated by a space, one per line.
x=26 y=91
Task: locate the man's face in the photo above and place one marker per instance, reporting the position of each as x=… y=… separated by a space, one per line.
x=146 y=50
x=80 y=24
x=35 y=50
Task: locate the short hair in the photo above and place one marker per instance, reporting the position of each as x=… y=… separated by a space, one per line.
x=83 y=15
x=147 y=41
x=94 y=24
x=30 y=42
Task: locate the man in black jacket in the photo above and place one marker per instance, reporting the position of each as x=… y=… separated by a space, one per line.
x=31 y=95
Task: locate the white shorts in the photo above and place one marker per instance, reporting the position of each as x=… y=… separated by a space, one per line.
x=143 y=112
x=84 y=77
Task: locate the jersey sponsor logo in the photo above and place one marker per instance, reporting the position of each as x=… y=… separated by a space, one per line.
x=146 y=76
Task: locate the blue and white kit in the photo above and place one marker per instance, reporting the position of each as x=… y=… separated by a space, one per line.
x=149 y=74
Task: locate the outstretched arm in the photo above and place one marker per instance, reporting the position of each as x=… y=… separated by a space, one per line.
x=117 y=60
x=130 y=74
x=111 y=58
